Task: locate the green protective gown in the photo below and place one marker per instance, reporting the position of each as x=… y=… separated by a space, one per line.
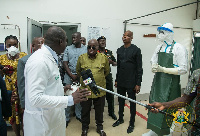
x=165 y=87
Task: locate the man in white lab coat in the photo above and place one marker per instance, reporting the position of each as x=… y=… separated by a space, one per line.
x=44 y=93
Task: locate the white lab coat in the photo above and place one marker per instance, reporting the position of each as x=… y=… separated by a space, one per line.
x=44 y=96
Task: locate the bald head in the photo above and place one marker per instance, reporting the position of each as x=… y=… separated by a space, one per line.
x=37 y=43
x=130 y=33
x=54 y=35
x=55 y=38
x=92 y=47
x=94 y=41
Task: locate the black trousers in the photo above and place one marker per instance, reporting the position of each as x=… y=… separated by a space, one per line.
x=99 y=104
x=3 y=127
x=110 y=97
x=132 y=95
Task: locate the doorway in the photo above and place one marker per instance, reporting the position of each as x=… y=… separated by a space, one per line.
x=39 y=29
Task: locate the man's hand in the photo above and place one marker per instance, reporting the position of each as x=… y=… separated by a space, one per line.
x=80 y=95
x=74 y=77
x=137 y=89
x=110 y=61
x=157 y=105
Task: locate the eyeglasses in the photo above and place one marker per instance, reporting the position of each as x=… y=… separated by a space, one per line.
x=91 y=47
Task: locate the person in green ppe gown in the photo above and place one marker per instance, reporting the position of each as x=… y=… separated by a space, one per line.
x=169 y=61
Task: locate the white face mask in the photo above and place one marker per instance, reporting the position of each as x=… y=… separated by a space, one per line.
x=161 y=37
x=167 y=37
x=12 y=51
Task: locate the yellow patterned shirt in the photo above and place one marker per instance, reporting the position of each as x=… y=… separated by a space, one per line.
x=5 y=61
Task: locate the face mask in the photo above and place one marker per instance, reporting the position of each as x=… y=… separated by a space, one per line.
x=161 y=37
x=12 y=51
x=166 y=36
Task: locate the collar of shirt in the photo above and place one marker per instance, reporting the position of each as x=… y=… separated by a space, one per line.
x=94 y=57
x=102 y=52
x=82 y=45
x=53 y=53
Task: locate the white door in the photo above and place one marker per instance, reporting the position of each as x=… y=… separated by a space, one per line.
x=34 y=29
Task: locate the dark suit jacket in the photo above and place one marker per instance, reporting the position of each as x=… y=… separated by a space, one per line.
x=129 y=66
x=21 y=79
x=6 y=100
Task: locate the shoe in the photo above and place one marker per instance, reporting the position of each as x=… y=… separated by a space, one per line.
x=78 y=119
x=150 y=133
x=113 y=116
x=101 y=132
x=130 y=129
x=74 y=114
x=67 y=122
x=84 y=133
x=118 y=122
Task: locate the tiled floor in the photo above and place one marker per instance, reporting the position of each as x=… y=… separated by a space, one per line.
x=74 y=127
x=140 y=124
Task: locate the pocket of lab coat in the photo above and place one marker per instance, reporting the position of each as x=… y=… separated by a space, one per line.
x=33 y=124
x=53 y=118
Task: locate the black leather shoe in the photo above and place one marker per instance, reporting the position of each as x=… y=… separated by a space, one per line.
x=118 y=122
x=101 y=132
x=130 y=129
x=74 y=114
x=78 y=119
x=67 y=122
x=84 y=133
x=113 y=116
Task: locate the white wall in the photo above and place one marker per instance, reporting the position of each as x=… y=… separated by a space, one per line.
x=104 y=13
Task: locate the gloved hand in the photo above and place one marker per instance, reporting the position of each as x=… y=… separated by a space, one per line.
x=158 y=68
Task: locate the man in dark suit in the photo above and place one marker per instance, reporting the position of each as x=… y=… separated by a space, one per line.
x=129 y=77
x=36 y=44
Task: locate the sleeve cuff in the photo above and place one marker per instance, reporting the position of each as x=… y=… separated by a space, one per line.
x=70 y=100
